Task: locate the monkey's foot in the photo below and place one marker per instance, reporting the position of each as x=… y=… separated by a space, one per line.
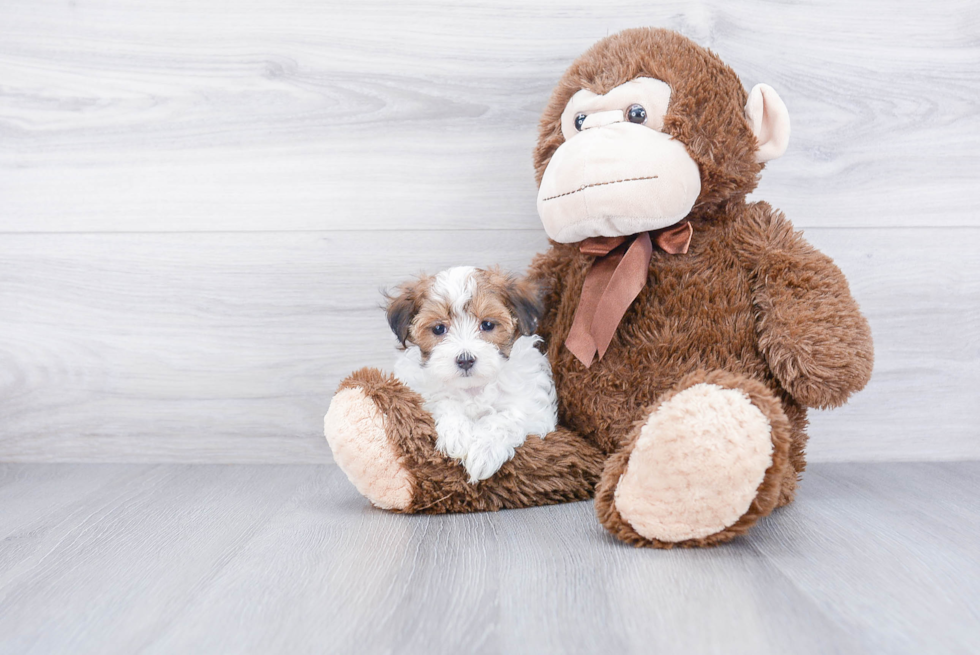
x=705 y=465
x=355 y=430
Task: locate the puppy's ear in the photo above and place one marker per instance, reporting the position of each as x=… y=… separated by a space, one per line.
x=403 y=305
x=524 y=298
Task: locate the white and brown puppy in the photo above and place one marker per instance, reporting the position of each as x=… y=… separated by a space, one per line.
x=469 y=350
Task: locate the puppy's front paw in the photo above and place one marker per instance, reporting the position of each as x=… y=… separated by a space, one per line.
x=485 y=457
x=455 y=434
x=482 y=446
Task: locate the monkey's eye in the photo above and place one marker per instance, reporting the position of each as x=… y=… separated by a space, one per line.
x=636 y=114
x=439 y=330
x=487 y=326
x=578 y=122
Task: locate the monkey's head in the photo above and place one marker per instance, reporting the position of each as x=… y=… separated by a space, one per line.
x=645 y=129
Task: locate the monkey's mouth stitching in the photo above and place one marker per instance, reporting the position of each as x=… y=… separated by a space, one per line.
x=589 y=186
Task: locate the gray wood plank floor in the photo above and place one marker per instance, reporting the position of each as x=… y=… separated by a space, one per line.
x=127 y=558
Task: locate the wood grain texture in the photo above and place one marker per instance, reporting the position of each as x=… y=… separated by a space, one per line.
x=227 y=347
x=291 y=115
x=289 y=559
x=199 y=203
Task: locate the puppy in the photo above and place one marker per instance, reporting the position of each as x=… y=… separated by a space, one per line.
x=468 y=343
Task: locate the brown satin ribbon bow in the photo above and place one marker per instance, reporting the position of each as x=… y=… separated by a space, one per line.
x=616 y=278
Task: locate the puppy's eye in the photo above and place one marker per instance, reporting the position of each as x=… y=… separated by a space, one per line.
x=439 y=330
x=636 y=114
x=578 y=122
x=487 y=326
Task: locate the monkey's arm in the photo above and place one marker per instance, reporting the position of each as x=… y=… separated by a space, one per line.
x=810 y=329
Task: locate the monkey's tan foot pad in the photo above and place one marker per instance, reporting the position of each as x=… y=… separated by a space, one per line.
x=696 y=465
x=355 y=430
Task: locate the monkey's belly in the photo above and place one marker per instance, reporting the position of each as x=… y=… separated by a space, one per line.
x=658 y=342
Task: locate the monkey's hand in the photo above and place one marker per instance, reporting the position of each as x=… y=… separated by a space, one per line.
x=810 y=329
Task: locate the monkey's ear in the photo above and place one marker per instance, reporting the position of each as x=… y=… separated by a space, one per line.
x=524 y=297
x=769 y=120
x=402 y=307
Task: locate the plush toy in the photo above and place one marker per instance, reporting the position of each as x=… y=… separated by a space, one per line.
x=687 y=329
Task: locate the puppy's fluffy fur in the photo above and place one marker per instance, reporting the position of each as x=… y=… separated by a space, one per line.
x=469 y=350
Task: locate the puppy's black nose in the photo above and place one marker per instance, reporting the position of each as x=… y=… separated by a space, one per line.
x=465 y=361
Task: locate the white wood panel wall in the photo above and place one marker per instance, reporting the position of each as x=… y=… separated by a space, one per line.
x=200 y=201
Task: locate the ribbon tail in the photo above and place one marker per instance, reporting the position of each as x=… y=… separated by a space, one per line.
x=579 y=340
x=583 y=347
x=580 y=343
x=625 y=285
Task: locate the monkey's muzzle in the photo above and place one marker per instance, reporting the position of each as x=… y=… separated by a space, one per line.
x=616 y=180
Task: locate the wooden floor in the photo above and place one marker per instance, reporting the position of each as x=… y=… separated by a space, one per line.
x=128 y=558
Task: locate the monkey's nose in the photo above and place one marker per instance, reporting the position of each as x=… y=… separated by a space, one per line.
x=601 y=118
x=465 y=361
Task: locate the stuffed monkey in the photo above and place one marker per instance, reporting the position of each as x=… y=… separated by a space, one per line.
x=688 y=330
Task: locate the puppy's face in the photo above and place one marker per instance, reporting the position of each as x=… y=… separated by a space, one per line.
x=464 y=321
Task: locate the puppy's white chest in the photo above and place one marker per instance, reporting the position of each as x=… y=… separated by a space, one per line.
x=475 y=414
x=482 y=427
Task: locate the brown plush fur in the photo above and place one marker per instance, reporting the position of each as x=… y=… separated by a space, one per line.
x=560 y=468
x=751 y=306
